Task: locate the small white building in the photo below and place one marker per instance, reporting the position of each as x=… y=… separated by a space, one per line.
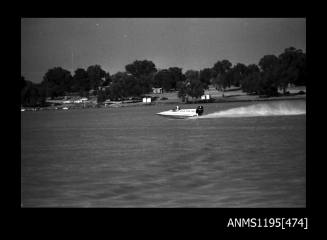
x=146 y=100
x=81 y=100
x=205 y=97
x=157 y=90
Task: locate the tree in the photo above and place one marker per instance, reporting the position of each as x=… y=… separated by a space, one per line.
x=192 y=86
x=164 y=79
x=205 y=77
x=96 y=76
x=238 y=74
x=270 y=79
x=81 y=82
x=107 y=80
x=143 y=72
x=195 y=88
x=102 y=96
x=219 y=72
x=221 y=67
x=292 y=68
x=57 y=81
x=191 y=75
x=142 y=83
x=268 y=63
x=125 y=85
x=32 y=95
x=182 y=90
x=251 y=80
x=118 y=88
x=253 y=83
x=141 y=68
x=251 y=68
x=168 y=78
x=177 y=76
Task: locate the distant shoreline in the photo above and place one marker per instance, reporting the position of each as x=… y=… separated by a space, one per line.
x=214 y=101
x=235 y=99
x=219 y=100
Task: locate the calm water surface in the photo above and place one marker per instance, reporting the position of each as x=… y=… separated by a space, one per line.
x=130 y=157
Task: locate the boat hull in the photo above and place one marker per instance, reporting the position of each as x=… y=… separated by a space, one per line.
x=180 y=114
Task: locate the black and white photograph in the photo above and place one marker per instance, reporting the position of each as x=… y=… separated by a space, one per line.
x=163 y=112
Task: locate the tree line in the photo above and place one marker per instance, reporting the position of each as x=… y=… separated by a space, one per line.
x=265 y=78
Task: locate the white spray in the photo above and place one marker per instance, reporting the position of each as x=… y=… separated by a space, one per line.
x=262 y=109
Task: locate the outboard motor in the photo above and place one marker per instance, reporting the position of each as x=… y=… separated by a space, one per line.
x=199 y=110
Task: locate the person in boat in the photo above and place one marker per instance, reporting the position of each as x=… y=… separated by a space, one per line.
x=177 y=108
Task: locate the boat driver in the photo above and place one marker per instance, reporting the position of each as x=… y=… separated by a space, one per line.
x=177 y=108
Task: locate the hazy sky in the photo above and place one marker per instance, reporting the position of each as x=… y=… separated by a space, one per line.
x=188 y=43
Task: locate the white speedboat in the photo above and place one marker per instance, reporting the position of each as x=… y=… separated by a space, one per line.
x=182 y=113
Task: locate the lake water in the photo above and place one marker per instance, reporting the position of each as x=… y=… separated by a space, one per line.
x=236 y=155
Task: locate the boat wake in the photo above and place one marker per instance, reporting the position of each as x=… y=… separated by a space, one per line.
x=262 y=109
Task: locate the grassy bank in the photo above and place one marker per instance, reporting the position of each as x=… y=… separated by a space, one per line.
x=171 y=98
x=231 y=95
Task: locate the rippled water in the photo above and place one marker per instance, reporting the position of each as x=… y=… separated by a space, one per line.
x=130 y=157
